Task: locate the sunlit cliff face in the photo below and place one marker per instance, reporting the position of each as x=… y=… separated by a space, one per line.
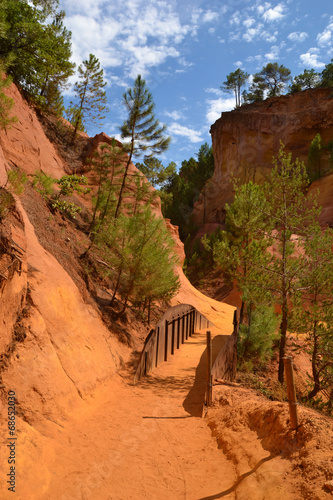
x=246 y=139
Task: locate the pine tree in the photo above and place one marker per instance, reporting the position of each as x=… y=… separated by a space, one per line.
x=284 y=220
x=36 y=45
x=314 y=314
x=293 y=214
x=139 y=255
x=6 y=103
x=155 y=172
x=141 y=128
x=90 y=95
x=234 y=83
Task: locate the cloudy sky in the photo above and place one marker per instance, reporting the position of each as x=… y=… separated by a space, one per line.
x=186 y=48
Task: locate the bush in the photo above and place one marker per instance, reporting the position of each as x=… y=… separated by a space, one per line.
x=256 y=338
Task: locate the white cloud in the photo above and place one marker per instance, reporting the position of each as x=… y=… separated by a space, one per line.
x=298 y=36
x=210 y=16
x=191 y=134
x=274 y=14
x=249 y=22
x=273 y=54
x=175 y=115
x=325 y=38
x=310 y=59
x=235 y=18
x=212 y=90
x=136 y=34
x=216 y=106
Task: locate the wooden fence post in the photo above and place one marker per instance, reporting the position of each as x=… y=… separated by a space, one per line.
x=209 y=391
x=173 y=337
x=291 y=391
x=183 y=325
x=166 y=341
x=178 y=332
x=157 y=345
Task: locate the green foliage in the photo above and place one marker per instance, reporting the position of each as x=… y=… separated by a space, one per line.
x=314 y=314
x=6 y=103
x=43 y=184
x=6 y=203
x=260 y=219
x=17 y=180
x=327 y=75
x=68 y=184
x=185 y=187
x=107 y=165
x=257 y=336
x=141 y=128
x=72 y=183
x=140 y=255
x=272 y=80
x=315 y=158
x=155 y=172
x=89 y=94
x=66 y=206
x=234 y=83
x=309 y=79
x=36 y=47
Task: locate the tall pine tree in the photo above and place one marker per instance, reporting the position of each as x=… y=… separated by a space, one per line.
x=90 y=94
x=141 y=128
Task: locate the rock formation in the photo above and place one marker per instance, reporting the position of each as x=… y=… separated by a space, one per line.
x=246 y=139
x=54 y=345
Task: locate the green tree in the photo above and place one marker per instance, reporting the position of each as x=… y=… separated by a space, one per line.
x=314 y=164
x=141 y=128
x=315 y=311
x=186 y=186
x=234 y=82
x=309 y=79
x=286 y=212
x=327 y=75
x=293 y=214
x=155 y=172
x=107 y=167
x=90 y=95
x=242 y=243
x=140 y=257
x=272 y=79
x=6 y=103
x=36 y=47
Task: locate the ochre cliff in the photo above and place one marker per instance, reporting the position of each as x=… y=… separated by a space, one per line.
x=54 y=345
x=246 y=139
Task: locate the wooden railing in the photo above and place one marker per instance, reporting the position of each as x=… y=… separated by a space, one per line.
x=175 y=327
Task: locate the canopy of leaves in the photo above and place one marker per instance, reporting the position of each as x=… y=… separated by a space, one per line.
x=327 y=75
x=6 y=103
x=155 y=172
x=271 y=80
x=234 y=83
x=37 y=51
x=186 y=186
x=307 y=80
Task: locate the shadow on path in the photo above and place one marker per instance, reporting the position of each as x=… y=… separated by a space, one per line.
x=194 y=401
x=239 y=480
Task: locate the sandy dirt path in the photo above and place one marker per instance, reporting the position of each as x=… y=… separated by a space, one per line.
x=143 y=442
x=130 y=442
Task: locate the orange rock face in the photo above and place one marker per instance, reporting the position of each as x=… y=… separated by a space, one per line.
x=246 y=139
x=68 y=350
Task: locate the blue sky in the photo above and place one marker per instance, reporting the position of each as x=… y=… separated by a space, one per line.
x=185 y=49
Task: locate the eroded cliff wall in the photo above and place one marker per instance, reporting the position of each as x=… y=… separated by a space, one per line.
x=246 y=139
